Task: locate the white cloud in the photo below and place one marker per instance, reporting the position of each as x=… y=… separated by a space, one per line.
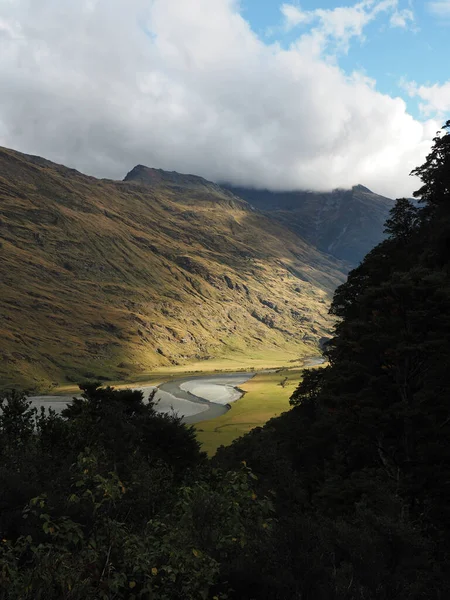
x=336 y=27
x=103 y=85
x=294 y=16
x=440 y=8
x=436 y=98
x=402 y=18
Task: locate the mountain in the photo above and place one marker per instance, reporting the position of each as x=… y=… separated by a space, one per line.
x=343 y=223
x=111 y=279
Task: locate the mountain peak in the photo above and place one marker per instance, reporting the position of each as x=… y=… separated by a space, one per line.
x=361 y=188
x=151 y=176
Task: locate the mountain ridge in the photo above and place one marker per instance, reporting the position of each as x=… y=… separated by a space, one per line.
x=152 y=175
x=344 y=223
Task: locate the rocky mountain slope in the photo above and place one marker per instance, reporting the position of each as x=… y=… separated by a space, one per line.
x=111 y=279
x=343 y=223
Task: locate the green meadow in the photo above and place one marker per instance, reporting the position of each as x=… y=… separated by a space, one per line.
x=264 y=398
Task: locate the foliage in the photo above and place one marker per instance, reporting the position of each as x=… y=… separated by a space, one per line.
x=177 y=555
x=435 y=172
x=362 y=462
x=126 y=517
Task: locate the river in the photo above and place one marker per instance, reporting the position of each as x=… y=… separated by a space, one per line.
x=197 y=398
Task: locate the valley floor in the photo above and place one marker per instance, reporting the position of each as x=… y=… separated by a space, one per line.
x=264 y=398
x=205 y=400
x=195 y=398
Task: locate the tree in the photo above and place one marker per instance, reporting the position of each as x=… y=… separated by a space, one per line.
x=403 y=221
x=435 y=173
x=121 y=424
x=365 y=452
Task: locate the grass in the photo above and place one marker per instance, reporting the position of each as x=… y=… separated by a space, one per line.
x=252 y=359
x=233 y=363
x=118 y=281
x=264 y=398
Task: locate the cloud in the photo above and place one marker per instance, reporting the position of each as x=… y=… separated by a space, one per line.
x=402 y=18
x=101 y=85
x=441 y=8
x=335 y=28
x=436 y=98
x=294 y=16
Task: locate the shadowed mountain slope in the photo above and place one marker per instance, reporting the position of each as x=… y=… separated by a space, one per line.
x=343 y=223
x=111 y=279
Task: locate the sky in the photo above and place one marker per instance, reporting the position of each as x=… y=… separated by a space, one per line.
x=316 y=94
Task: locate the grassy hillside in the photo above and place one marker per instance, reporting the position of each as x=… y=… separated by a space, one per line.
x=113 y=279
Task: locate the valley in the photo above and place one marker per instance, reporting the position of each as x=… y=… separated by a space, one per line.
x=116 y=280
x=345 y=224
x=224 y=346
x=192 y=398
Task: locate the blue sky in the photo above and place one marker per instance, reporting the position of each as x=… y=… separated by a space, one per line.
x=308 y=94
x=418 y=52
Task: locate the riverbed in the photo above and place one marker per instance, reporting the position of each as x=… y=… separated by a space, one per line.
x=195 y=399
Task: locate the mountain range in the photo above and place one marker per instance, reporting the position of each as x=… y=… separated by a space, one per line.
x=343 y=223
x=112 y=279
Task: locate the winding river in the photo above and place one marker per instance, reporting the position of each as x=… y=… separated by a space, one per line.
x=197 y=398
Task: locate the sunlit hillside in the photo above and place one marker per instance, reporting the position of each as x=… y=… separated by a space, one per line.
x=106 y=279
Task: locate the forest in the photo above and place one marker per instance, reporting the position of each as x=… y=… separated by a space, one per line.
x=344 y=497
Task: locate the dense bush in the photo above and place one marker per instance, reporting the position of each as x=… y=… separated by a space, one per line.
x=114 y=500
